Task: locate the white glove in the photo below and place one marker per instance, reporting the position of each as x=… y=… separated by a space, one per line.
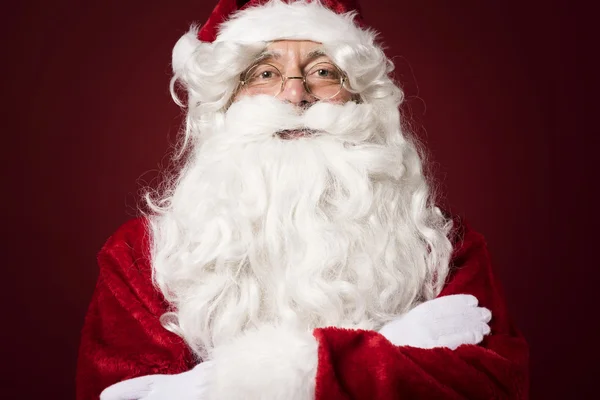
x=189 y=385
x=447 y=321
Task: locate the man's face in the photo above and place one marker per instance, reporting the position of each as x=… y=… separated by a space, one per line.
x=295 y=58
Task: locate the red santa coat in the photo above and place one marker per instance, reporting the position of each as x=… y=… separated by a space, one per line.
x=122 y=337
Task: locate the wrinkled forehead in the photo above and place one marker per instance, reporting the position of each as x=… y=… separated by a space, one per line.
x=299 y=52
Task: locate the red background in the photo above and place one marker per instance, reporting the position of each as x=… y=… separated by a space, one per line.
x=490 y=87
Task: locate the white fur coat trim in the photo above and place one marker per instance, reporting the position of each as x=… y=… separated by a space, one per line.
x=271 y=363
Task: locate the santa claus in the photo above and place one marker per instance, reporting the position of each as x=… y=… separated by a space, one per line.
x=298 y=253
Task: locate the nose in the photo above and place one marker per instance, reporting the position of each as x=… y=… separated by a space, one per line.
x=294 y=92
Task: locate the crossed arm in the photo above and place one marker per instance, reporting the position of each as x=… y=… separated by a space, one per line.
x=123 y=339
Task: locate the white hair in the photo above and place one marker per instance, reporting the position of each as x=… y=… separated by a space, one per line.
x=340 y=228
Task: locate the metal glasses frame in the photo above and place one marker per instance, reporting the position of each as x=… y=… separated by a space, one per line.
x=284 y=79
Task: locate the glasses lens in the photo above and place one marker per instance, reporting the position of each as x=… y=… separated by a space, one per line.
x=262 y=78
x=324 y=80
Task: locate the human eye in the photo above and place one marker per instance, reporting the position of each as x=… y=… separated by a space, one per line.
x=324 y=71
x=262 y=73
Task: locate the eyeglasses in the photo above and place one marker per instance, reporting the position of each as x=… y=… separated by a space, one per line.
x=323 y=80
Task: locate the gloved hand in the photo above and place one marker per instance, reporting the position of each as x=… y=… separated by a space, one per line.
x=447 y=321
x=189 y=385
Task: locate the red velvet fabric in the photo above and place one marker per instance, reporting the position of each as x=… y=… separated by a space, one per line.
x=122 y=337
x=364 y=365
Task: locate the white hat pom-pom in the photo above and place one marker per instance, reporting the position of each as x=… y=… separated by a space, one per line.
x=184 y=48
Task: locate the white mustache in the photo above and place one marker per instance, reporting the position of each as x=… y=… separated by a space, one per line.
x=260 y=117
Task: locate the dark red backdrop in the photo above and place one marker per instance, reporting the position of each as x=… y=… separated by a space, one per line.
x=490 y=88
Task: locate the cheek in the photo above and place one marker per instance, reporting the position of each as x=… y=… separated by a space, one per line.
x=240 y=94
x=342 y=97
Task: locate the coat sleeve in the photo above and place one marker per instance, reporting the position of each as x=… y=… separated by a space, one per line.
x=364 y=365
x=122 y=336
x=342 y=364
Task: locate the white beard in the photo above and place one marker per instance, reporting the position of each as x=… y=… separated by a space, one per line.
x=317 y=231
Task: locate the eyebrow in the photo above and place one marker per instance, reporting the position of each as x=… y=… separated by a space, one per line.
x=311 y=55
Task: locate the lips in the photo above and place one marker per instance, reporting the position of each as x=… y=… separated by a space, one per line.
x=289 y=134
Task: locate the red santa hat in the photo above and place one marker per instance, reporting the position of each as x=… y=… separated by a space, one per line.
x=251 y=21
